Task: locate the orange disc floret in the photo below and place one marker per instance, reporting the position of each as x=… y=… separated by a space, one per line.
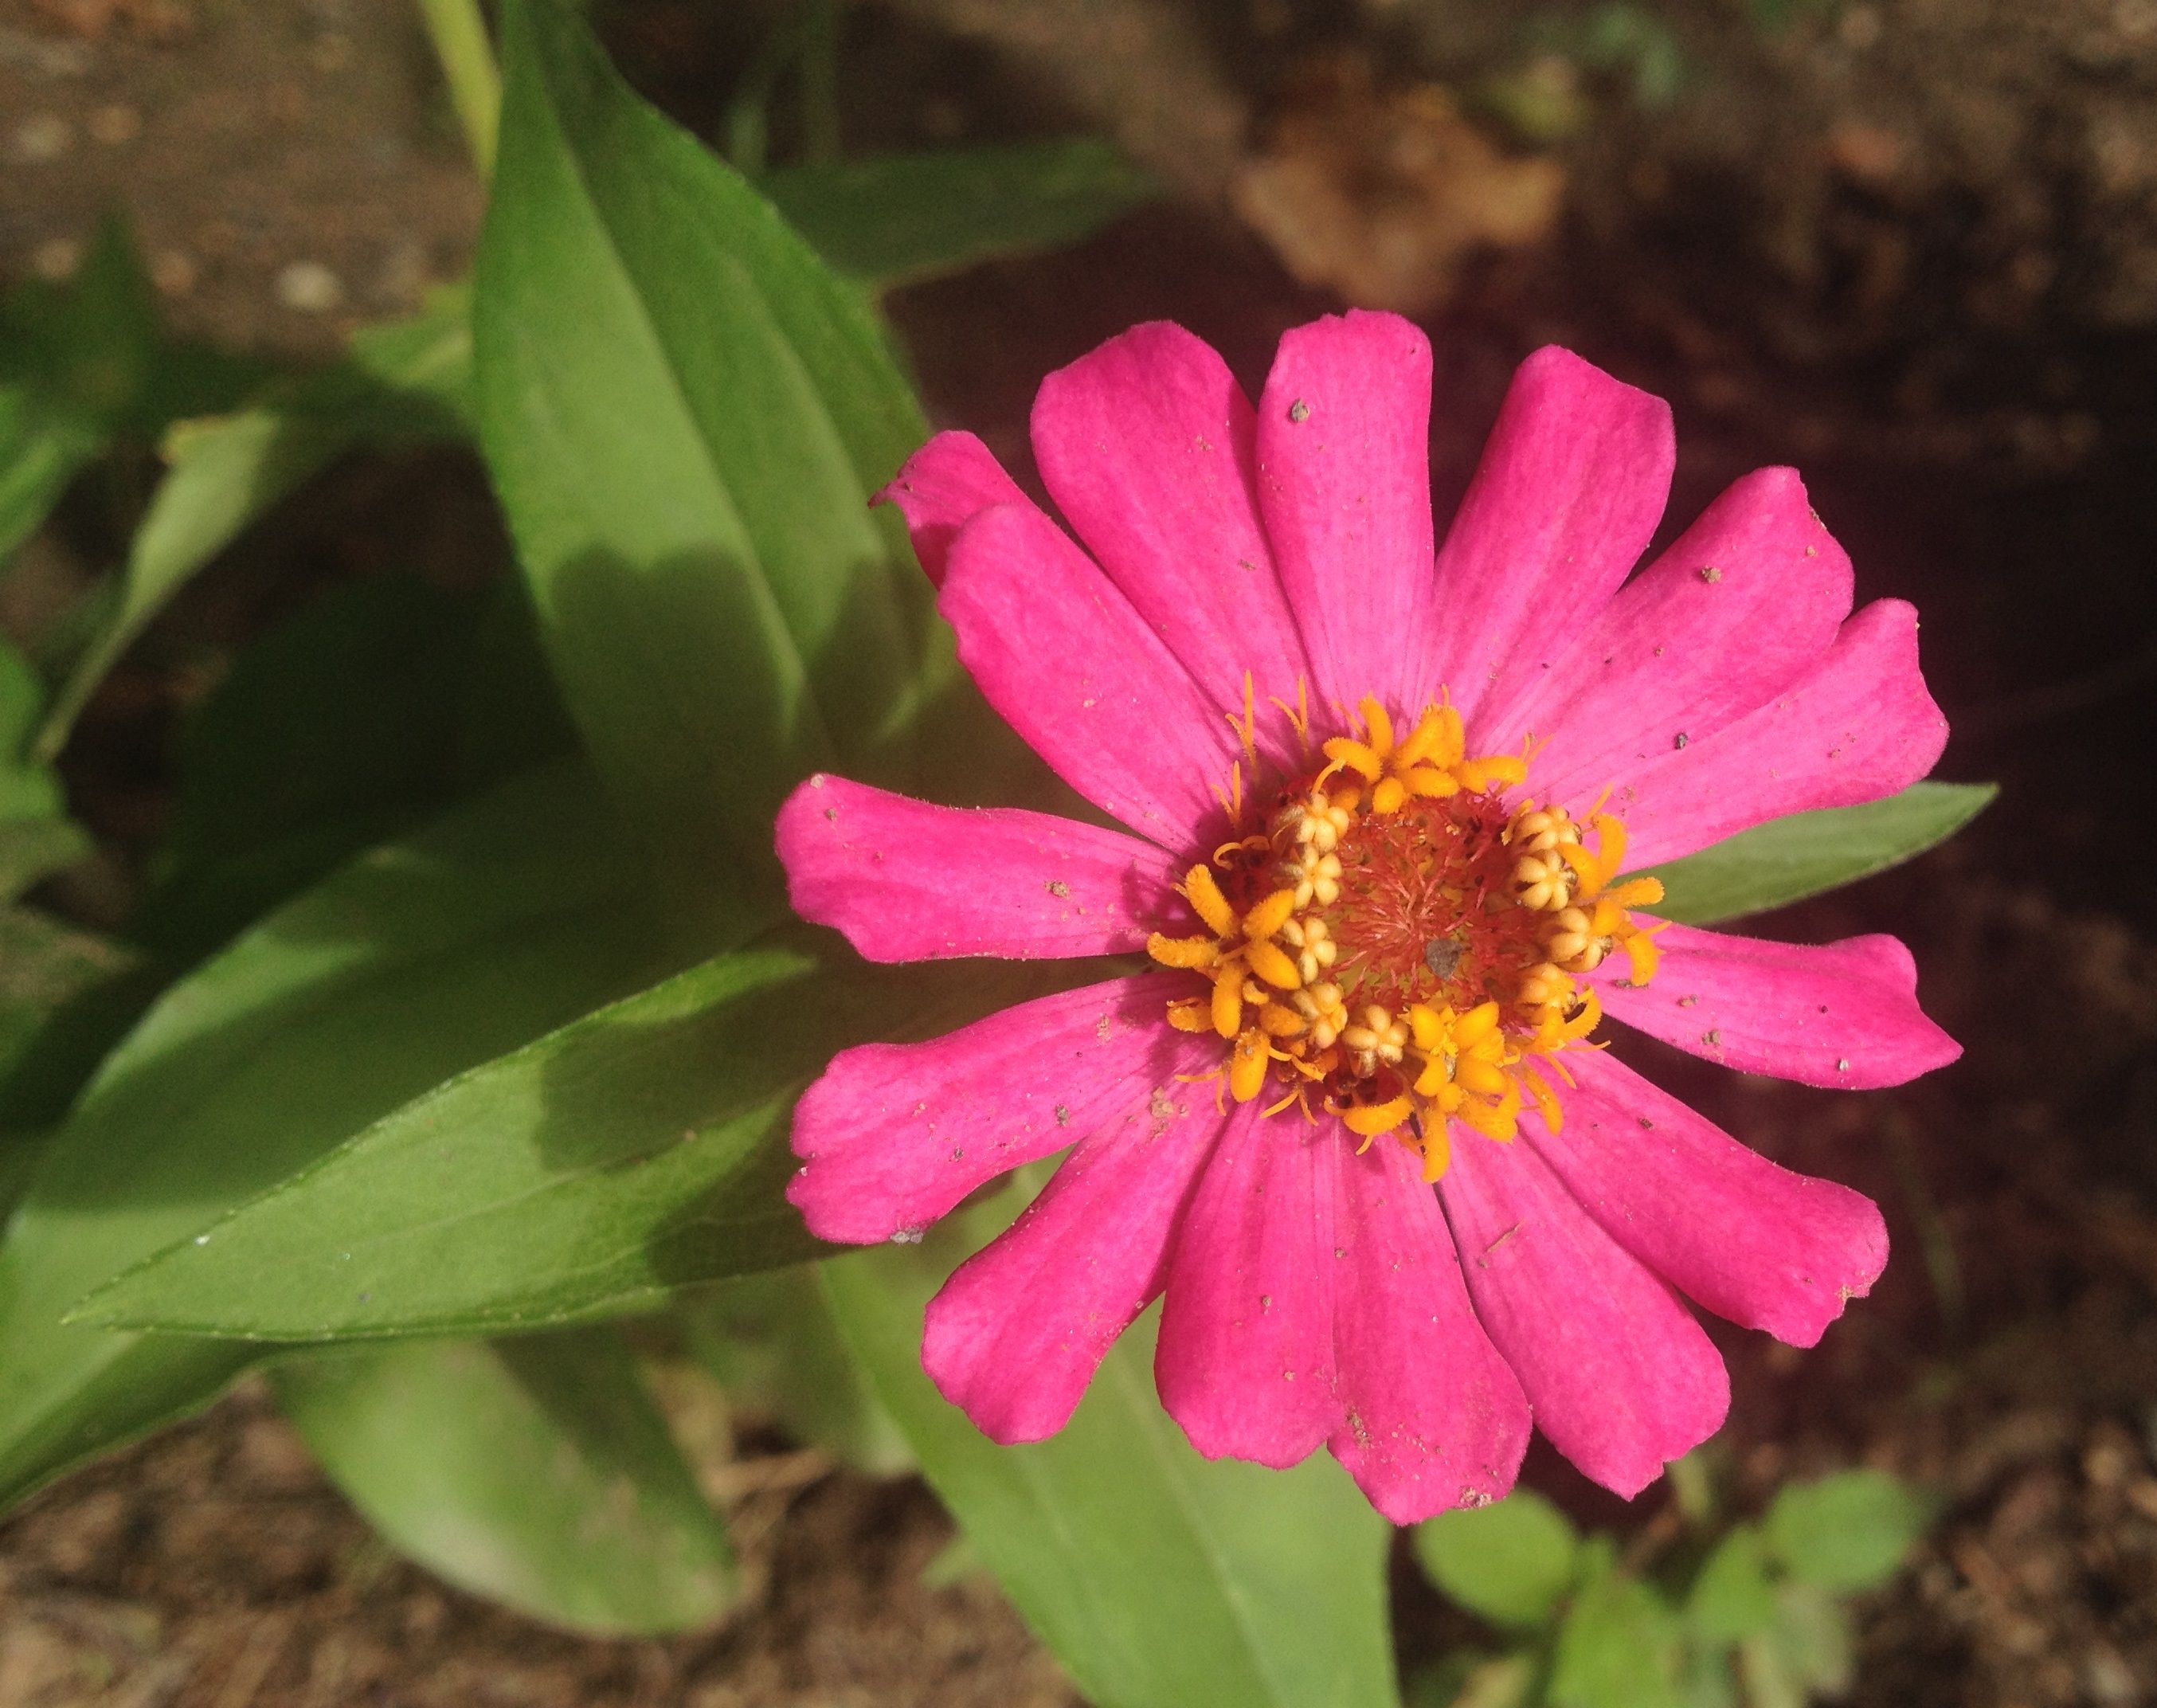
x=1390 y=937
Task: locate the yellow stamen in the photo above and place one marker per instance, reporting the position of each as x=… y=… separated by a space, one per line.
x=1355 y=757
x=1268 y=916
x=1228 y=1004
x=1271 y=963
x=1400 y=935
x=1369 y=1120
x=1247 y=1065
x=1190 y=1014
x=1196 y=953
x=1204 y=895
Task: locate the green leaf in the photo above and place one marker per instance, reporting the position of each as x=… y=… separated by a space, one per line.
x=82 y=362
x=1619 y=1645
x=1710 y=1677
x=28 y=790
x=953 y=1564
x=1808 y=1652
x=685 y=413
x=1732 y=1596
x=1159 y=1580
x=19 y=1156
x=599 y=1169
x=1510 y=1561
x=893 y=218
x=405 y=381
x=21 y=694
x=634 y=1152
x=375 y=708
x=1787 y=859
x=534 y=1471
x=41 y=447
x=412 y=962
x=32 y=849
x=770 y=1342
x=86 y=347
x=1846 y=1532
x=65 y=997
x=1464 y=1679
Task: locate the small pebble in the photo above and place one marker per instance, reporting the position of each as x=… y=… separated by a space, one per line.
x=42 y=138
x=173 y=272
x=404 y=274
x=330 y=51
x=115 y=125
x=2110 y=1679
x=309 y=287
x=56 y=259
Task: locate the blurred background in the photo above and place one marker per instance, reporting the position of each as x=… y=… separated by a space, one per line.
x=1909 y=245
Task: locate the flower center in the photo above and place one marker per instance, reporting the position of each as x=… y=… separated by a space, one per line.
x=1391 y=938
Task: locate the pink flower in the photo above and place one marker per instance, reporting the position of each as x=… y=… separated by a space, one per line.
x=1350 y=1127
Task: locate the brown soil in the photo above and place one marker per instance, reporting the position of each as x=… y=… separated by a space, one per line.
x=212 y=1567
x=1906 y=246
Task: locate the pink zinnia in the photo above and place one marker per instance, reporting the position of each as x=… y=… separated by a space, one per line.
x=1385 y=799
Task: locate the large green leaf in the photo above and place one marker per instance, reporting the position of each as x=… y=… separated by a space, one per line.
x=1159 y=1580
x=685 y=412
x=770 y=1341
x=596 y=1170
x=631 y=1152
x=536 y=1471
x=403 y=381
x=374 y=708
x=411 y=964
x=65 y=997
x=891 y=219
x=1787 y=859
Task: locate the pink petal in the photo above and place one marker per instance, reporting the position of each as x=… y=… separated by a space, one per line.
x=1068 y=663
x=1145 y=445
x=1842 y=1015
x=1567 y=495
x=1752 y=1242
x=1856 y=726
x=1433 y=1418
x=1619 y=1375
x=1344 y=484
x=1676 y=655
x=893 y=1135
x=1245 y=1358
x=1021 y=1327
x=943 y=486
x=908 y=881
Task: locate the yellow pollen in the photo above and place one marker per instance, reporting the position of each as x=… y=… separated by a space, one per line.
x=1396 y=936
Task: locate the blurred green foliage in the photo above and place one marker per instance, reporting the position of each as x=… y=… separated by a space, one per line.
x=1726 y=1615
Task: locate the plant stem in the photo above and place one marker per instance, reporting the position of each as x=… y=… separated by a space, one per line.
x=460 y=37
x=819 y=71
